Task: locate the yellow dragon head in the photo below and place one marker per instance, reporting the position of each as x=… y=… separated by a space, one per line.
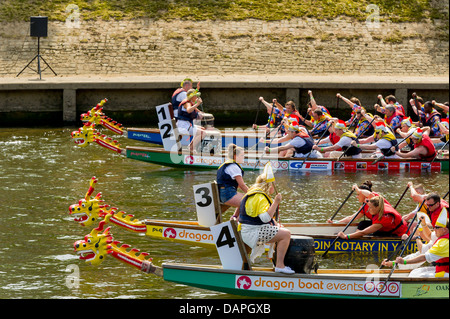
x=84 y=136
x=88 y=209
x=97 y=117
x=95 y=246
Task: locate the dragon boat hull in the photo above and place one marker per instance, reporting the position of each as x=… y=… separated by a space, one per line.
x=327 y=283
x=244 y=139
x=191 y=233
x=189 y=161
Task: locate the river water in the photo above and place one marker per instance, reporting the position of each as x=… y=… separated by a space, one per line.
x=42 y=172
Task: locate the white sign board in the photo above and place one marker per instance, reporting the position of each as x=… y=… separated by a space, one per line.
x=207 y=204
x=167 y=128
x=227 y=246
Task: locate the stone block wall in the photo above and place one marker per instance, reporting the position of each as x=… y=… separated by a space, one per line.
x=297 y=46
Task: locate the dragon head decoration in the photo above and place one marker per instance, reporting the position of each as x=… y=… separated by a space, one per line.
x=87 y=134
x=97 y=117
x=95 y=246
x=99 y=243
x=89 y=209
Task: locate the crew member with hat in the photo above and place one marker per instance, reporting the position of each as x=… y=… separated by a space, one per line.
x=423 y=147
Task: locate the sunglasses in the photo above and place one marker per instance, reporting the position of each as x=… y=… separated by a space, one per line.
x=428 y=204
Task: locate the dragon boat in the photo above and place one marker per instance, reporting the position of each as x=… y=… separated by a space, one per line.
x=191 y=232
x=210 y=154
x=238 y=277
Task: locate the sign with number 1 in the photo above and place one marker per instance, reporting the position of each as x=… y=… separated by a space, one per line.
x=167 y=128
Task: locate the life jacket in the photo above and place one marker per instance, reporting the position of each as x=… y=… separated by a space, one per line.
x=352 y=150
x=359 y=127
x=309 y=143
x=428 y=119
x=399 y=108
x=244 y=217
x=434 y=215
x=225 y=180
x=428 y=144
x=391 y=221
x=442 y=265
x=176 y=103
x=390 y=138
x=334 y=139
x=185 y=115
x=395 y=114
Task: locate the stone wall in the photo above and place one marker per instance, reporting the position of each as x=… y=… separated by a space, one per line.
x=297 y=46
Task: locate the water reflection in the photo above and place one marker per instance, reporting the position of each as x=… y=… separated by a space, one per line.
x=42 y=172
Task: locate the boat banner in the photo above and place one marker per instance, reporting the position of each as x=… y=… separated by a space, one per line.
x=425 y=290
x=181 y=234
x=310 y=285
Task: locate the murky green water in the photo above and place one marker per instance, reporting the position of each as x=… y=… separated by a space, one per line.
x=42 y=172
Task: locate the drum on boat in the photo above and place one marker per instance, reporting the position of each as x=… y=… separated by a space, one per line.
x=301 y=255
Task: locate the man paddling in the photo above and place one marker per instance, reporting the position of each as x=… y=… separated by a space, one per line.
x=423 y=147
x=181 y=93
x=384 y=139
x=344 y=143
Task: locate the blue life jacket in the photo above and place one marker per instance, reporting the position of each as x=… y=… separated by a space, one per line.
x=185 y=115
x=225 y=180
x=174 y=101
x=307 y=148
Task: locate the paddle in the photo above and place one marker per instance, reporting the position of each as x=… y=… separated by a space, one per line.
x=399 y=200
x=403 y=241
x=401 y=253
x=259 y=160
x=445 y=195
x=446 y=143
x=348 y=225
x=383 y=156
x=345 y=200
x=359 y=135
x=318 y=141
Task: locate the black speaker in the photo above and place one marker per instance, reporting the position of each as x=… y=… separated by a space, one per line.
x=38 y=26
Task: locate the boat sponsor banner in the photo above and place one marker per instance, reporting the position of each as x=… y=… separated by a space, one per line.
x=301 y=165
x=181 y=234
x=427 y=290
x=360 y=245
x=317 y=286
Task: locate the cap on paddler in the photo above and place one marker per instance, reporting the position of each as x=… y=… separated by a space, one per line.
x=340 y=125
x=417 y=134
x=408 y=122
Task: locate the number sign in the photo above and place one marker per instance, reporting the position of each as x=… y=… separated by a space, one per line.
x=207 y=203
x=168 y=128
x=230 y=246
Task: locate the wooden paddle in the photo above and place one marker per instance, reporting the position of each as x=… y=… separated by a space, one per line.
x=321 y=137
x=348 y=225
x=383 y=156
x=403 y=241
x=446 y=143
x=401 y=253
x=345 y=200
x=399 y=200
x=445 y=195
x=359 y=135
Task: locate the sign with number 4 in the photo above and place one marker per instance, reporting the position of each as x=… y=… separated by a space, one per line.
x=230 y=246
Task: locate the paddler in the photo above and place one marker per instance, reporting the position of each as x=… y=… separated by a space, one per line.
x=187 y=112
x=300 y=144
x=181 y=93
x=319 y=117
x=423 y=147
x=406 y=128
x=276 y=115
x=230 y=177
x=384 y=139
x=389 y=100
x=344 y=143
x=358 y=115
x=258 y=226
x=429 y=117
x=386 y=221
x=437 y=255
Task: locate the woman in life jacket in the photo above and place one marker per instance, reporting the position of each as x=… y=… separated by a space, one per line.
x=230 y=177
x=386 y=221
x=423 y=147
x=187 y=112
x=437 y=255
x=345 y=139
x=300 y=143
x=258 y=226
x=181 y=93
x=362 y=192
x=358 y=117
x=384 y=140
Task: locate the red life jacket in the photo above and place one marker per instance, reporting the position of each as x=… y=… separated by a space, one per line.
x=428 y=144
x=391 y=221
x=390 y=118
x=442 y=264
x=334 y=138
x=435 y=214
